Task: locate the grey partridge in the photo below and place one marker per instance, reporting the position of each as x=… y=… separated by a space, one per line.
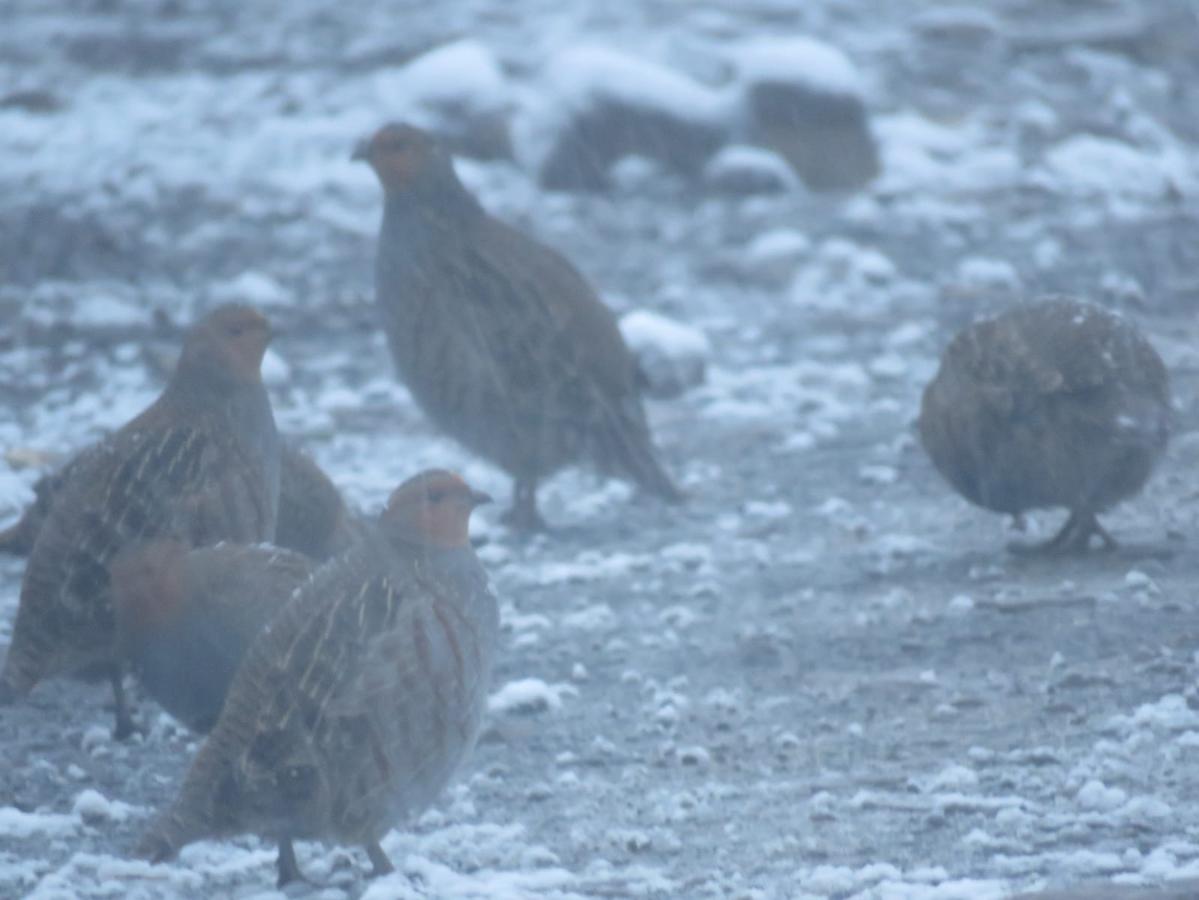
x=352 y=710
x=1055 y=403
x=184 y=617
x=201 y=465
x=499 y=338
x=313 y=518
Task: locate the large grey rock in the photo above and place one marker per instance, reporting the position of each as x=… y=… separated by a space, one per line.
x=805 y=100
x=607 y=106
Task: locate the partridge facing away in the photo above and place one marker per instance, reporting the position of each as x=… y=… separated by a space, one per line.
x=184 y=617
x=1055 y=403
x=499 y=338
x=353 y=708
x=201 y=465
x=312 y=519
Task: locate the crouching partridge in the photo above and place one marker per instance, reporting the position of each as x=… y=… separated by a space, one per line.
x=1056 y=403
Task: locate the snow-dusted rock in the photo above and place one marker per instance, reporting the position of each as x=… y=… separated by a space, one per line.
x=458 y=91
x=805 y=99
x=1086 y=165
x=604 y=105
x=529 y=695
x=773 y=255
x=671 y=356
x=738 y=169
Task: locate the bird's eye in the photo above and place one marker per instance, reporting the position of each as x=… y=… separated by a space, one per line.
x=436 y=496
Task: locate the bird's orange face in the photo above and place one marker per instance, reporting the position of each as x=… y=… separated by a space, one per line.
x=236 y=338
x=147 y=585
x=398 y=153
x=434 y=508
x=247 y=335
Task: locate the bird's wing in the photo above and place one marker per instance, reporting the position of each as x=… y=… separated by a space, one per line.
x=548 y=320
x=285 y=720
x=117 y=494
x=242 y=586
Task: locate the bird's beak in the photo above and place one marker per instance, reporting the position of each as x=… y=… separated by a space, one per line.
x=479 y=498
x=362 y=151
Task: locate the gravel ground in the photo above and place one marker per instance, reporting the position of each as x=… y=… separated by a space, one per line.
x=823 y=676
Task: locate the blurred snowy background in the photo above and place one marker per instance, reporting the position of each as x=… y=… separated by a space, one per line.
x=822 y=677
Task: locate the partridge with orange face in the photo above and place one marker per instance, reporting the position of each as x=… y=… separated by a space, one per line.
x=499 y=338
x=1057 y=403
x=201 y=465
x=184 y=617
x=353 y=709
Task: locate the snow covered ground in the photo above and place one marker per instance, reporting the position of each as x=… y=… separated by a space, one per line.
x=822 y=677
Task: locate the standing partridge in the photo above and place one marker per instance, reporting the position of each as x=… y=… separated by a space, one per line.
x=499 y=338
x=1055 y=403
x=184 y=617
x=365 y=692
x=201 y=465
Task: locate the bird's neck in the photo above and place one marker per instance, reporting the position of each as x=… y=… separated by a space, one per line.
x=243 y=408
x=442 y=199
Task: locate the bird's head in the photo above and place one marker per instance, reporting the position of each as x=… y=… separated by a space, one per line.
x=404 y=156
x=226 y=347
x=433 y=509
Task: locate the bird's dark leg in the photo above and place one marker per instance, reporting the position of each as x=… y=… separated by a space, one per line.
x=1073 y=537
x=124 y=720
x=523 y=516
x=1109 y=542
x=1079 y=538
x=286 y=865
x=380 y=864
x=1057 y=544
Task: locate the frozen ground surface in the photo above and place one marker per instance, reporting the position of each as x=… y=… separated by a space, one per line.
x=823 y=677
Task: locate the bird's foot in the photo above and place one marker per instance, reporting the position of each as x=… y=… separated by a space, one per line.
x=286 y=865
x=522 y=515
x=522 y=519
x=380 y=864
x=125 y=727
x=1073 y=538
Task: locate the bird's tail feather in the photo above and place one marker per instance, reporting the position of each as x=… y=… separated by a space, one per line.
x=630 y=451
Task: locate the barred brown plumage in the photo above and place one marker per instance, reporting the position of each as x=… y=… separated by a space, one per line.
x=201 y=465
x=19 y=537
x=500 y=339
x=1055 y=403
x=184 y=617
x=353 y=709
x=312 y=518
